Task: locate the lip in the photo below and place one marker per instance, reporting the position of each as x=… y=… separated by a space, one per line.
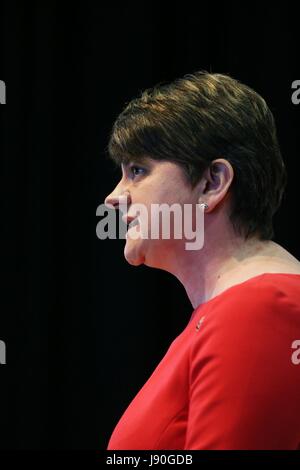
x=128 y=220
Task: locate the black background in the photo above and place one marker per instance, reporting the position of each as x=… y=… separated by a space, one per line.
x=83 y=329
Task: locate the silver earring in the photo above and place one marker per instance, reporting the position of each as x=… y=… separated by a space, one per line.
x=204 y=205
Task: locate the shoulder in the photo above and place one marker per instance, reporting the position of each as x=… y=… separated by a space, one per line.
x=262 y=312
x=264 y=294
x=244 y=379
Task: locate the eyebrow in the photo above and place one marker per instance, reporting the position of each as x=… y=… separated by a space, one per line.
x=136 y=161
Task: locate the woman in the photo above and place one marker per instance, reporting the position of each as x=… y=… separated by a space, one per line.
x=231 y=379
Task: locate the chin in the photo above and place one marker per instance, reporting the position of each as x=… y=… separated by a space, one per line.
x=134 y=261
x=137 y=252
x=133 y=254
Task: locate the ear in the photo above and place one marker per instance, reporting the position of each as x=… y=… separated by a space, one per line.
x=216 y=182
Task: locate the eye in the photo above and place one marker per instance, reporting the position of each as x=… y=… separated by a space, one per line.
x=136 y=170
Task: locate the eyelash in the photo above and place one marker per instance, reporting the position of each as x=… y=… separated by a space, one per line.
x=134 y=167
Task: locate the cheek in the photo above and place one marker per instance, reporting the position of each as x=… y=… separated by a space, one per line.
x=163 y=223
x=171 y=190
x=168 y=193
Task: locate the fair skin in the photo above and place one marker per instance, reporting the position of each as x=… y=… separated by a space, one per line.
x=225 y=259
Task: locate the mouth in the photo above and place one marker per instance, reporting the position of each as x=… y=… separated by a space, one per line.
x=132 y=223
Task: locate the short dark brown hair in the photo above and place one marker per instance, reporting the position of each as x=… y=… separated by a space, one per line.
x=199 y=118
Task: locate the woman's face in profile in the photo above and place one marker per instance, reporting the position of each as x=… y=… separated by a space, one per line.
x=148 y=183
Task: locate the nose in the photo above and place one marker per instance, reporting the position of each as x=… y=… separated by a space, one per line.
x=117 y=198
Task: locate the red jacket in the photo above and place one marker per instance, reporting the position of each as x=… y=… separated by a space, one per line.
x=230 y=380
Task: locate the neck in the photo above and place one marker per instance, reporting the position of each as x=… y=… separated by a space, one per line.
x=207 y=272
